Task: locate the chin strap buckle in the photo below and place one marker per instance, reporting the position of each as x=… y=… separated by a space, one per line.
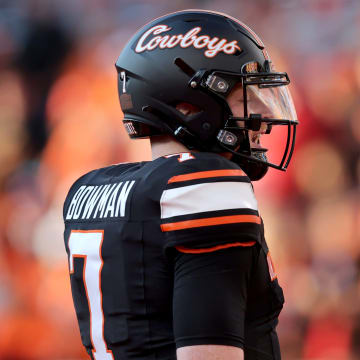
x=227 y=138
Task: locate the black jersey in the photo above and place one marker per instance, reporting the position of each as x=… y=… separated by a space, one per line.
x=122 y=226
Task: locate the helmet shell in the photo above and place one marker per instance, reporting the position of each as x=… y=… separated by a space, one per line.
x=204 y=40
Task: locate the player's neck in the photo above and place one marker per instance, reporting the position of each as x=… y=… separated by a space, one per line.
x=165 y=145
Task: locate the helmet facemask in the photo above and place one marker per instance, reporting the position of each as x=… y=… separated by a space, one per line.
x=266 y=103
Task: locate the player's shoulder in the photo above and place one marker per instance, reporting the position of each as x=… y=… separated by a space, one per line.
x=157 y=175
x=208 y=201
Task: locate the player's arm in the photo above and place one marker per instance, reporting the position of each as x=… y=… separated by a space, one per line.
x=209 y=352
x=211 y=226
x=210 y=292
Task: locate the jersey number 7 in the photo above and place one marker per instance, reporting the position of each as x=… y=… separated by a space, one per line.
x=87 y=245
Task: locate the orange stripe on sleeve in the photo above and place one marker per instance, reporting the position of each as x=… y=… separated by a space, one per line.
x=213 y=248
x=206 y=174
x=272 y=271
x=221 y=220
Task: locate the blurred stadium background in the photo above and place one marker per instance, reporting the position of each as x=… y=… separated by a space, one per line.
x=59 y=117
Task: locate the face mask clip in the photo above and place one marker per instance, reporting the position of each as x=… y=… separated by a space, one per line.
x=216 y=83
x=227 y=138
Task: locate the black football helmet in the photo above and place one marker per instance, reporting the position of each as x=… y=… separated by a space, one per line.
x=198 y=57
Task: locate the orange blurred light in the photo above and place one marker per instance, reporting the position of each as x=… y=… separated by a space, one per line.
x=330 y=97
x=12 y=116
x=319 y=169
x=331 y=227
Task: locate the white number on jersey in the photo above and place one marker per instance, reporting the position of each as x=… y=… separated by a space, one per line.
x=87 y=244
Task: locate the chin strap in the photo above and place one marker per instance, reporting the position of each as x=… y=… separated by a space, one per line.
x=255 y=166
x=254 y=170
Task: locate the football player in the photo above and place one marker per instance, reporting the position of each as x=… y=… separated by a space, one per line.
x=167 y=258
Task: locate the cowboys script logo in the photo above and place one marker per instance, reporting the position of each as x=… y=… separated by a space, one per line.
x=214 y=45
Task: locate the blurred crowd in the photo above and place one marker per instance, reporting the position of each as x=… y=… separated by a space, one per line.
x=60 y=117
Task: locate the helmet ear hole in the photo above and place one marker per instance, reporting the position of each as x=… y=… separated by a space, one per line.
x=187 y=109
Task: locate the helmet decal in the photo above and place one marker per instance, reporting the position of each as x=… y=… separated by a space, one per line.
x=213 y=45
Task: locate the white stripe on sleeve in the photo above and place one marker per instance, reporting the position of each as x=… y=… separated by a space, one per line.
x=207 y=197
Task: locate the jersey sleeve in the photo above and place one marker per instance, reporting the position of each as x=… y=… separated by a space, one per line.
x=223 y=277
x=209 y=205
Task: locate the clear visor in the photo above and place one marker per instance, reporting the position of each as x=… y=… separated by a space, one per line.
x=271 y=102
